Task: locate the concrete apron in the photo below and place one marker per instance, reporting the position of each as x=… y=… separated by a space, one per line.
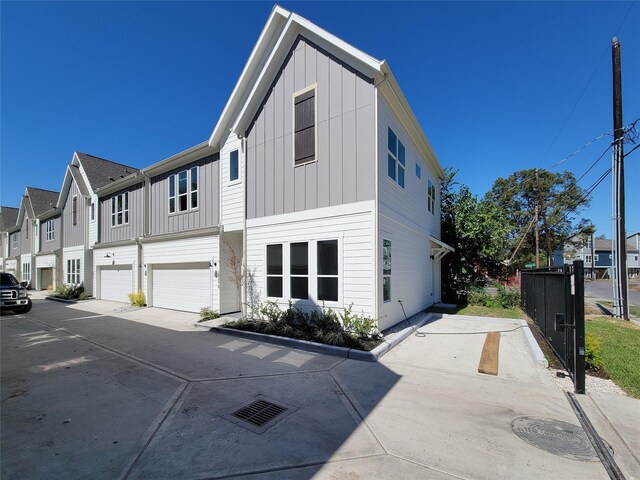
x=422 y=411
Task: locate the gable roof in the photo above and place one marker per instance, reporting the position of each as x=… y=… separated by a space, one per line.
x=101 y=172
x=276 y=39
x=8 y=218
x=41 y=200
x=604 y=244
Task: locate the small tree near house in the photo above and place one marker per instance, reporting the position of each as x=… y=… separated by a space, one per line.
x=236 y=272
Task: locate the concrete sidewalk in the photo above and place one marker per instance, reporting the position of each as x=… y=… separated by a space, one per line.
x=148 y=395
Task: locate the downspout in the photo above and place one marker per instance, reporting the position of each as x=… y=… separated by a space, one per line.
x=243 y=300
x=376 y=232
x=146 y=229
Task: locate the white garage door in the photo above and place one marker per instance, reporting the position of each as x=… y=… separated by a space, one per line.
x=184 y=286
x=116 y=282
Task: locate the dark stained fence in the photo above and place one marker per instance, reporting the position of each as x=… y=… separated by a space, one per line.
x=554 y=299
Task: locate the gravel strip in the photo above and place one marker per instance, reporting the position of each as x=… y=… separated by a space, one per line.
x=592 y=384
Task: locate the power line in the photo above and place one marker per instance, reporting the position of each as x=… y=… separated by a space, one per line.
x=594 y=164
x=581 y=148
x=566 y=120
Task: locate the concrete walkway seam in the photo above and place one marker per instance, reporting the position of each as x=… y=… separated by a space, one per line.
x=177 y=398
x=612 y=426
x=408 y=460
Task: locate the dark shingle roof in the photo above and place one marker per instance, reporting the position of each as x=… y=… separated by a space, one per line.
x=101 y=172
x=604 y=244
x=42 y=200
x=8 y=217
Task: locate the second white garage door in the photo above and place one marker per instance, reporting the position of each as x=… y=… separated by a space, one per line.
x=116 y=282
x=185 y=286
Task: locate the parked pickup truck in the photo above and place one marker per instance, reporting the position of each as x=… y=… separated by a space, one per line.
x=13 y=294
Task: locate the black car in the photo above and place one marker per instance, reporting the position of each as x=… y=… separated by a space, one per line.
x=13 y=294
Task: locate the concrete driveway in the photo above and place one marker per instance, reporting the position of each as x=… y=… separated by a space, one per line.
x=92 y=393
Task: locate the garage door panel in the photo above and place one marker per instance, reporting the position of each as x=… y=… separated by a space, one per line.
x=116 y=283
x=182 y=286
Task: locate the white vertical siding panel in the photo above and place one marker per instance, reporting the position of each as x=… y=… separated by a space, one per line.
x=231 y=195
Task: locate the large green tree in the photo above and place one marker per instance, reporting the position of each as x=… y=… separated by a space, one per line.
x=477 y=230
x=556 y=196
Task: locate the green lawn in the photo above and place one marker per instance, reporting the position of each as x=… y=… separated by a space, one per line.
x=620 y=351
x=479 y=311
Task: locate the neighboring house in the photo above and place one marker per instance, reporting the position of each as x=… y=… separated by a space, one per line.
x=78 y=204
x=8 y=220
x=25 y=239
x=597 y=254
x=48 y=251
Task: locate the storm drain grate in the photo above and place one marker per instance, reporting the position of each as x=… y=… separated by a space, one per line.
x=259 y=413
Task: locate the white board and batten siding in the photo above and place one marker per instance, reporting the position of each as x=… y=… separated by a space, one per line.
x=177 y=274
x=351 y=225
x=404 y=218
x=231 y=193
x=115 y=265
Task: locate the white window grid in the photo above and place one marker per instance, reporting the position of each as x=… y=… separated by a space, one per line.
x=73 y=271
x=398 y=158
x=120 y=210
x=190 y=193
x=49 y=231
x=26 y=272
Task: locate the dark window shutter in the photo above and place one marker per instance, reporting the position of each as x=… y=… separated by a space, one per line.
x=304 y=127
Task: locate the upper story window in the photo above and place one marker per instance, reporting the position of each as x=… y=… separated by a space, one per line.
x=304 y=126
x=120 y=209
x=589 y=242
x=234 y=170
x=14 y=240
x=36 y=230
x=395 y=158
x=587 y=258
x=93 y=211
x=183 y=190
x=74 y=211
x=431 y=200
x=49 y=231
x=418 y=171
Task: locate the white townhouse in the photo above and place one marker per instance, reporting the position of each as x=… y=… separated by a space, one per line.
x=317 y=187
x=77 y=204
x=317 y=182
x=340 y=184
x=8 y=220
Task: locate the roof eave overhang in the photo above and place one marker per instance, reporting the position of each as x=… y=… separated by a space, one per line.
x=120 y=184
x=391 y=91
x=274 y=24
x=179 y=159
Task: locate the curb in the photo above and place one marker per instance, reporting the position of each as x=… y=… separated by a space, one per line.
x=342 y=352
x=64 y=300
x=536 y=352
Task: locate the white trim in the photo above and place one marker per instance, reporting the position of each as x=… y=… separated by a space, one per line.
x=313 y=86
x=316 y=213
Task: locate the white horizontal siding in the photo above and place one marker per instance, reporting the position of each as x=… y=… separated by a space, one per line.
x=70 y=253
x=46 y=261
x=93 y=224
x=186 y=250
x=411 y=272
x=231 y=193
x=352 y=228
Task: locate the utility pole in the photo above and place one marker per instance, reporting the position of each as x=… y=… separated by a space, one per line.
x=620 y=286
x=537 y=239
x=544 y=222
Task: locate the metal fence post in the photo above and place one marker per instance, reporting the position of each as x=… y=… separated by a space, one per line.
x=578 y=312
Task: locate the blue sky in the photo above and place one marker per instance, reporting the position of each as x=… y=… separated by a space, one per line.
x=497 y=87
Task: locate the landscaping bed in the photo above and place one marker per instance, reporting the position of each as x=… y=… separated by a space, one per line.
x=344 y=329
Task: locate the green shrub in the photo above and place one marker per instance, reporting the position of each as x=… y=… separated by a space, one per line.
x=83 y=296
x=592 y=353
x=478 y=296
x=358 y=325
x=270 y=310
x=206 y=313
x=69 y=291
x=508 y=297
x=137 y=299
